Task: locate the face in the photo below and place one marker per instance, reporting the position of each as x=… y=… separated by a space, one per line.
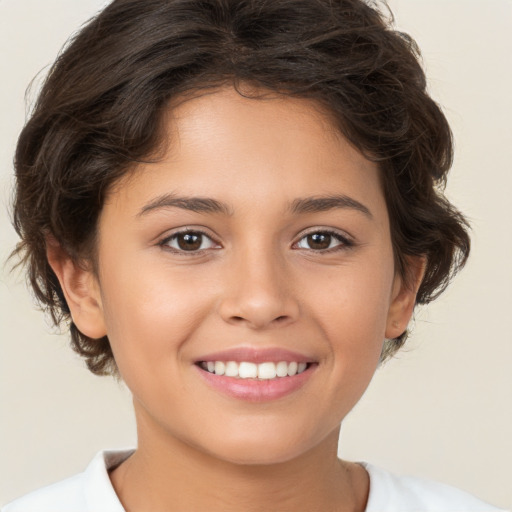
x=260 y=243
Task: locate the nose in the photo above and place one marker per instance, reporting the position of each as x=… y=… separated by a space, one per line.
x=259 y=292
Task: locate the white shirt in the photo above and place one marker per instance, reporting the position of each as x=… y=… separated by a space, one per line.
x=92 y=491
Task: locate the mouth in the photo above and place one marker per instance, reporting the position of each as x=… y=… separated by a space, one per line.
x=267 y=370
x=256 y=375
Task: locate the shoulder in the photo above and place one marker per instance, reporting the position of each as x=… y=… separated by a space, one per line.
x=90 y=491
x=66 y=495
x=393 y=493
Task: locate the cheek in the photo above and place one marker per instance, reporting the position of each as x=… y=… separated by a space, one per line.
x=350 y=306
x=151 y=314
x=352 y=302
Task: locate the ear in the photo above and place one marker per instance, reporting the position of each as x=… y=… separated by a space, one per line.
x=403 y=298
x=81 y=290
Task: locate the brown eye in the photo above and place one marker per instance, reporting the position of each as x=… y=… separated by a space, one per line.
x=319 y=241
x=188 y=241
x=323 y=241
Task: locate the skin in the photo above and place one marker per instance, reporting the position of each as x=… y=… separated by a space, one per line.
x=255 y=281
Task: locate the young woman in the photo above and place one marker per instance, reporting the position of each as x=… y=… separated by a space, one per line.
x=236 y=206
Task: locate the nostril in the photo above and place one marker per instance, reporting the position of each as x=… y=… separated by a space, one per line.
x=237 y=319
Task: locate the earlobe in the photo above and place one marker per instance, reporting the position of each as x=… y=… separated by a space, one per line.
x=81 y=290
x=403 y=297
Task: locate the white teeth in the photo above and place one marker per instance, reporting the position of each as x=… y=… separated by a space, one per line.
x=282 y=369
x=292 y=368
x=267 y=371
x=220 y=368
x=231 y=369
x=247 y=370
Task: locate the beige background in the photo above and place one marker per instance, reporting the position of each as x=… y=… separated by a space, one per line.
x=442 y=409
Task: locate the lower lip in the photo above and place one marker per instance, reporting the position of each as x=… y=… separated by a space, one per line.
x=255 y=390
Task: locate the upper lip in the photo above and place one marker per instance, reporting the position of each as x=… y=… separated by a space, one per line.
x=256 y=355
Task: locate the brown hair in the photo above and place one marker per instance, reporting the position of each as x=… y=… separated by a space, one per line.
x=102 y=103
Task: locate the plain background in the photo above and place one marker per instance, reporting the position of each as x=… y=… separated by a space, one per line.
x=442 y=409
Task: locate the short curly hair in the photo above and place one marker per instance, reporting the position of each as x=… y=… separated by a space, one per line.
x=102 y=104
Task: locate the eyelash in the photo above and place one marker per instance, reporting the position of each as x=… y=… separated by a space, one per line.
x=344 y=244
x=164 y=243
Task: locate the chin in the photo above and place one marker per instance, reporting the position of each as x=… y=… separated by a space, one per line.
x=256 y=449
x=257 y=456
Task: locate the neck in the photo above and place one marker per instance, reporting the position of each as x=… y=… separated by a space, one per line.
x=165 y=474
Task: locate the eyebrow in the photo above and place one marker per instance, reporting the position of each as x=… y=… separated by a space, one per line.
x=194 y=204
x=298 y=206
x=325 y=203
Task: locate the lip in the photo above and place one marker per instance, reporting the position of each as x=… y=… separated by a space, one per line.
x=256 y=355
x=256 y=390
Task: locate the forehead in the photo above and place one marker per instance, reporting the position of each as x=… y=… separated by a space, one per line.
x=252 y=117
x=267 y=146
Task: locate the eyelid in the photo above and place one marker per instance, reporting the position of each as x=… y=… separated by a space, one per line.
x=346 y=240
x=185 y=230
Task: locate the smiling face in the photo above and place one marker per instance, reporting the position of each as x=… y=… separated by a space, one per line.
x=261 y=237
